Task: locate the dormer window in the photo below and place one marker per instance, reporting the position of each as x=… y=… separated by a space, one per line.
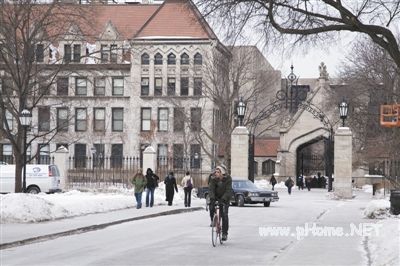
x=171 y=59
x=104 y=53
x=184 y=59
x=198 y=59
x=145 y=59
x=158 y=59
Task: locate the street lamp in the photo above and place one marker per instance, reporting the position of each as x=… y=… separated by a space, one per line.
x=25 y=119
x=241 y=109
x=343 y=110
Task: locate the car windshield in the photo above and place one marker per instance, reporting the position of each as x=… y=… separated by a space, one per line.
x=244 y=184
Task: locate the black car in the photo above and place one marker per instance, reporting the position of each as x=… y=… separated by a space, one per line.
x=244 y=191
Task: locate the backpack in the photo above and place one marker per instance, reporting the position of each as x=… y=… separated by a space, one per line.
x=189 y=183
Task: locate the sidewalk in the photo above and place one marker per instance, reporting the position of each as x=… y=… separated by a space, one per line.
x=20 y=234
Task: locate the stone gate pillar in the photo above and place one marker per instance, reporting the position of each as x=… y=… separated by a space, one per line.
x=61 y=160
x=149 y=159
x=240 y=153
x=343 y=163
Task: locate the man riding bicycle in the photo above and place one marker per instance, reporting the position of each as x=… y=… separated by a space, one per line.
x=220 y=189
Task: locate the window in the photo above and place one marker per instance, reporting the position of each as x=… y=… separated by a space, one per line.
x=80 y=119
x=171 y=59
x=39 y=53
x=44 y=154
x=99 y=86
x=179 y=119
x=145 y=59
x=178 y=156
x=117 y=119
x=184 y=86
x=197 y=86
x=77 y=53
x=104 y=53
x=184 y=59
x=98 y=156
x=268 y=167
x=43 y=87
x=62 y=86
x=116 y=155
x=195 y=119
x=99 y=123
x=157 y=86
x=118 y=86
x=8 y=121
x=7 y=153
x=171 y=87
x=80 y=86
x=255 y=168
x=144 y=87
x=162 y=151
x=195 y=156
x=80 y=155
x=44 y=118
x=113 y=53
x=198 y=59
x=158 y=59
x=162 y=119
x=62 y=119
x=146 y=119
x=67 y=53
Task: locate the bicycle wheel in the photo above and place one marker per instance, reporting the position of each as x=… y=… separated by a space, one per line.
x=220 y=230
x=214 y=231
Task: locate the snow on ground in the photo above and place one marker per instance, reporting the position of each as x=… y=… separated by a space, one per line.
x=377 y=209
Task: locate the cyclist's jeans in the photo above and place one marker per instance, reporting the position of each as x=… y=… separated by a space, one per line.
x=223 y=210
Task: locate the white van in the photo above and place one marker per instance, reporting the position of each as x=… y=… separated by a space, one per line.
x=39 y=178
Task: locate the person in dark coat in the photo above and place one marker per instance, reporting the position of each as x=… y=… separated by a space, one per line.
x=170 y=185
x=308 y=182
x=272 y=181
x=289 y=183
x=151 y=184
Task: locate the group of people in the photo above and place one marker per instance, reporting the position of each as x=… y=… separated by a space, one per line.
x=150 y=181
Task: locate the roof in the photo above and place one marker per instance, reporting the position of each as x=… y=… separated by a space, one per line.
x=266 y=147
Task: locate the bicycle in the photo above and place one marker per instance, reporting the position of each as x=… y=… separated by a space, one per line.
x=216 y=227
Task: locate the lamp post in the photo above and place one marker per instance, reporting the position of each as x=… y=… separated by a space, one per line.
x=25 y=119
x=241 y=109
x=343 y=110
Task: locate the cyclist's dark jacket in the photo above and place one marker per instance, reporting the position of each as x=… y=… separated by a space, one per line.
x=221 y=189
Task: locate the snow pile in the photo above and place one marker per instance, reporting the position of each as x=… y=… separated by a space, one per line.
x=377 y=209
x=263 y=183
x=385 y=243
x=367 y=188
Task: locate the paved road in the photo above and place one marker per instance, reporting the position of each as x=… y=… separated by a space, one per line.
x=184 y=239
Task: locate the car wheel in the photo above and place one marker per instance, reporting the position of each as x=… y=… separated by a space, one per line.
x=240 y=200
x=266 y=204
x=33 y=190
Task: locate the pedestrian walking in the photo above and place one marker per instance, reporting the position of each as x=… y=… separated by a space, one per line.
x=187 y=184
x=170 y=185
x=139 y=182
x=272 y=181
x=289 y=183
x=152 y=183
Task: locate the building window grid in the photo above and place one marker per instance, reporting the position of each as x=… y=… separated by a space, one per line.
x=144 y=87
x=80 y=86
x=67 y=53
x=77 y=53
x=145 y=119
x=113 y=53
x=62 y=119
x=184 y=86
x=62 y=86
x=9 y=120
x=171 y=59
x=99 y=123
x=171 y=87
x=158 y=59
x=163 y=119
x=179 y=119
x=80 y=119
x=195 y=119
x=198 y=59
x=44 y=118
x=157 y=86
x=39 y=53
x=99 y=86
x=118 y=86
x=117 y=119
x=145 y=59
x=184 y=59
x=197 y=86
x=104 y=50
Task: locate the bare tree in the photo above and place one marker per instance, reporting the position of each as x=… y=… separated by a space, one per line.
x=309 y=21
x=29 y=63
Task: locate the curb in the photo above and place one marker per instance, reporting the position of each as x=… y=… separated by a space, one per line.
x=92 y=228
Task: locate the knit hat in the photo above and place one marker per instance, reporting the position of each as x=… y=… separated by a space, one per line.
x=221 y=168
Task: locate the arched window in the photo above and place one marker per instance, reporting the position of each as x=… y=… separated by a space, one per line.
x=184 y=59
x=171 y=59
x=145 y=59
x=268 y=167
x=158 y=59
x=198 y=59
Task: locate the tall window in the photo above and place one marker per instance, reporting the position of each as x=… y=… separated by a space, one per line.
x=171 y=86
x=268 y=167
x=158 y=59
x=117 y=119
x=44 y=154
x=7 y=153
x=145 y=60
x=9 y=120
x=104 y=53
x=77 y=53
x=116 y=155
x=184 y=59
x=184 y=86
x=171 y=59
x=98 y=157
x=80 y=86
x=99 y=86
x=178 y=156
x=39 y=53
x=44 y=118
x=195 y=119
x=113 y=53
x=162 y=150
x=99 y=123
x=162 y=119
x=195 y=154
x=179 y=119
x=62 y=86
x=198 y=59
x=197 y=86
x=118 y=86
x=80 y=155
x=80 y=119
x=144 y=88
x=157 y=86
x=62 y=119
x=67 y=53
x=145 y=119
